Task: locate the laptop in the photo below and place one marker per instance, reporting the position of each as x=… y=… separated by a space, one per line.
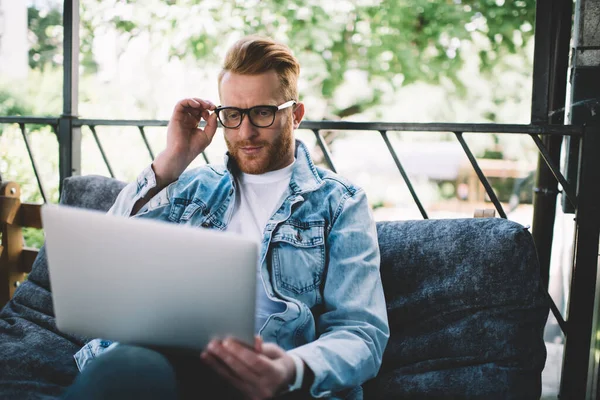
x=148 y=282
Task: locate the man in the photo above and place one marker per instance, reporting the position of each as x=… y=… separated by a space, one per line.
x=321 y=320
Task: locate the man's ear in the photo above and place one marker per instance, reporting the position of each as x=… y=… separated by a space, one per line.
x=298 y=114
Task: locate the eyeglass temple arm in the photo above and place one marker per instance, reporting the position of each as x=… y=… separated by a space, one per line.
x=286 y=104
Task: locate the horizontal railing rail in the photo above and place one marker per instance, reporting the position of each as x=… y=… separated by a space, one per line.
x=561 y=130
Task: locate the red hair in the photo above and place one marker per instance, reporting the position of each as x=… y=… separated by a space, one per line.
x=253 y=55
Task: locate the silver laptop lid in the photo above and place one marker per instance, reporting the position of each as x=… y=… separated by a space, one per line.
x=148 y=282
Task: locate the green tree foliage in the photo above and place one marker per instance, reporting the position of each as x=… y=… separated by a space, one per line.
x=12 y=104
x=395 y=42
x=46 y=36
x=46 y=39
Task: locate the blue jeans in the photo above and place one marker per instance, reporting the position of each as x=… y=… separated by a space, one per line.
x=130 y=372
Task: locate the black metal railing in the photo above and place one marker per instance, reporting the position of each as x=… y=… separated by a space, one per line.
x=22 y=122
x=317 y=126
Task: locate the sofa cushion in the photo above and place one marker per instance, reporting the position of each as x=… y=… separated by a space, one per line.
x=466 y=308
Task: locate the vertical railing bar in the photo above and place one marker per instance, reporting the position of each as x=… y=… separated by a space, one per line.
x=404 y=175
x=205 y=157
x=581 y=345
x=324 y=149
x=33 y=163
x=141 y=128
x=567 y=187
x=69 y=136
x=110 y=170
x=480 y=175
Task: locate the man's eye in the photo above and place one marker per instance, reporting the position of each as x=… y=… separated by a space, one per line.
x=232 y=115
x=262 y=112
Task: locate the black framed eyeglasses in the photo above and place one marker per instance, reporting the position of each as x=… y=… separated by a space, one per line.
x=260 y=116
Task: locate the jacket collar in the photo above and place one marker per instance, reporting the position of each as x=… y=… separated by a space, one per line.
x=305 y=177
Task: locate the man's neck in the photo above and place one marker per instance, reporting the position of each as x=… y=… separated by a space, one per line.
x=270 y=176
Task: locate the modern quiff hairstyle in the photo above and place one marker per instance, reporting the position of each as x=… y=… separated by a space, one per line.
x=253 y=55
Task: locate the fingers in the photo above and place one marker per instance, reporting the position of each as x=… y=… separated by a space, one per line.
x=196 y=103
x=191 y=117
x=211 y=125
x=245 y=356
x=240 y=361
x=250 y=372
x=191 y=111
x=193 y=106
x=258 y=342
x=205 y=114
x=221 y=369
x=272 y=351
x=209 y=105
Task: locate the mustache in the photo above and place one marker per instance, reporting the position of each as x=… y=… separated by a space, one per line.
x=248 y=143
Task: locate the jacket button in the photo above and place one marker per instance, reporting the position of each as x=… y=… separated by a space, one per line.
x=205 y=225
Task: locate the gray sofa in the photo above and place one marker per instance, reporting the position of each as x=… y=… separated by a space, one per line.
x=465 y=304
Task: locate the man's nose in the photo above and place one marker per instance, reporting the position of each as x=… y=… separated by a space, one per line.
x=247 y=130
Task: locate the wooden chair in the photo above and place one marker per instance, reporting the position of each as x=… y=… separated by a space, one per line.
x=15 y=259
x=484 y=213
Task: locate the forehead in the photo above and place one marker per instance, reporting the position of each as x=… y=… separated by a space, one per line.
x=244 y=91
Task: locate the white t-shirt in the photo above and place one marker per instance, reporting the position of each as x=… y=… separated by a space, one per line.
x=257 y=198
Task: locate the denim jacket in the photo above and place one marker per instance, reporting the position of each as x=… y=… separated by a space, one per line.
x=319 y=255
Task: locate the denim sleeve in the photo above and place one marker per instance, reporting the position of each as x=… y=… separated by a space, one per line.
x=353 y=330
x=136 y=190
x=91 y=350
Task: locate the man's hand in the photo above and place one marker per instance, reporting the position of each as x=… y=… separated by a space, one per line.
x=259 y=373
x=185 y=140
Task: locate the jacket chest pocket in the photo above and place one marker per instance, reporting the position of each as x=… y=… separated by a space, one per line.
x=298 y=260
x=183 y=210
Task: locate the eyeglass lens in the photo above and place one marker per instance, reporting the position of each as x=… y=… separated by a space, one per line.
x=259 y=116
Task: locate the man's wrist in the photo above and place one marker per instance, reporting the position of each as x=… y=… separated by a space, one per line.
x=167 y=169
